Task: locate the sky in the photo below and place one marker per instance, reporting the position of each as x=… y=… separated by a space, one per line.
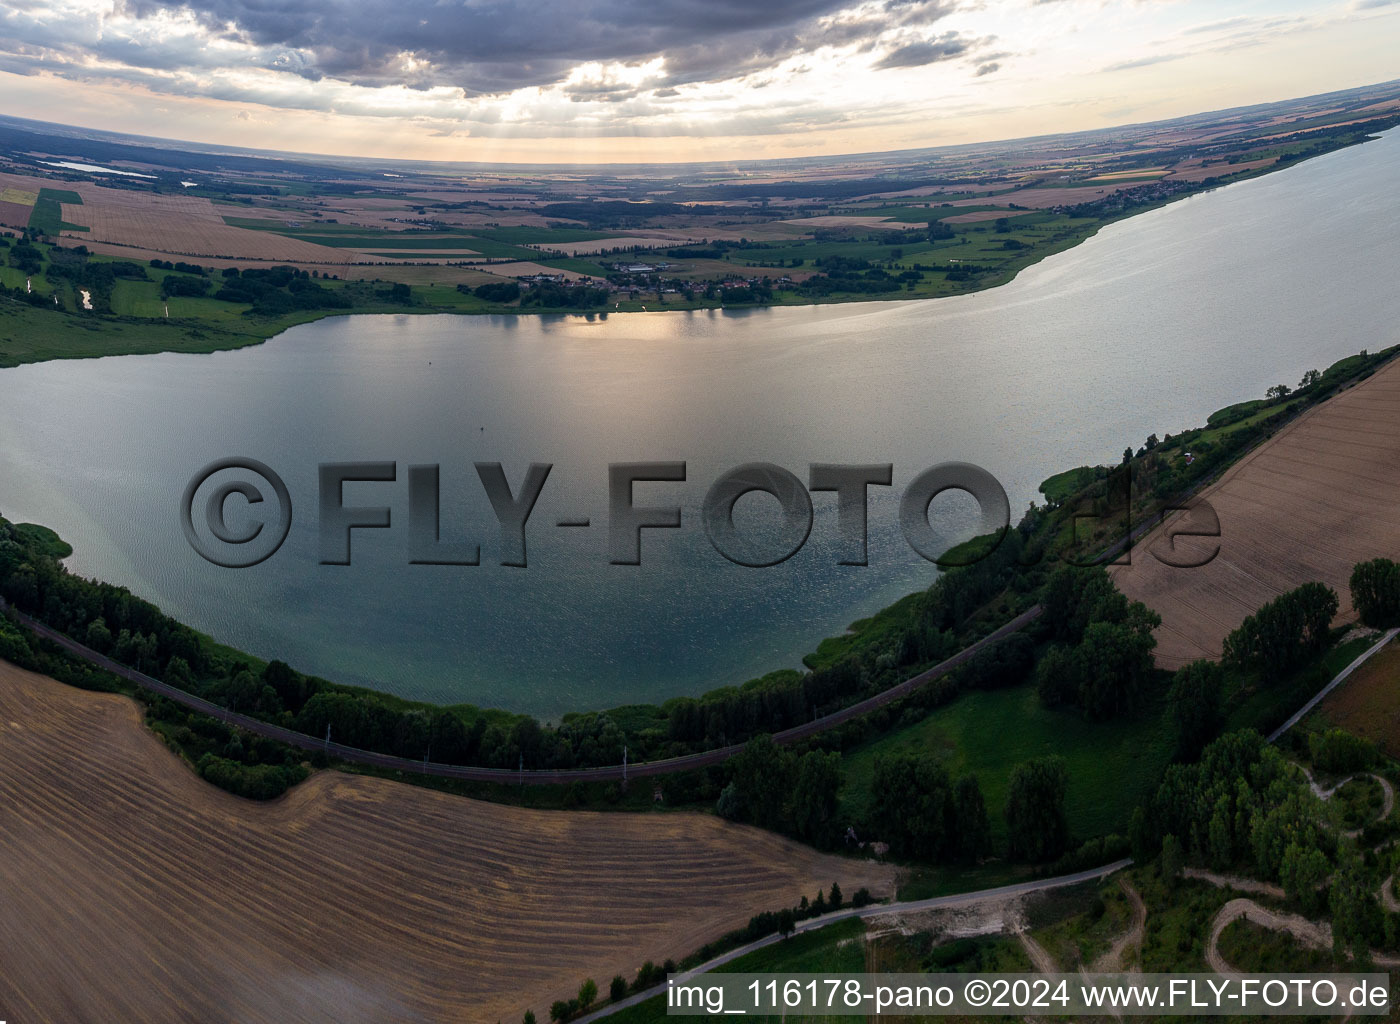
x=589 y=81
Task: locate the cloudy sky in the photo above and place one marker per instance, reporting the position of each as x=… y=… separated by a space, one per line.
x=663 y=80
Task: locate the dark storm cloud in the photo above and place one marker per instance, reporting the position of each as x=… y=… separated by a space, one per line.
x=493 y=46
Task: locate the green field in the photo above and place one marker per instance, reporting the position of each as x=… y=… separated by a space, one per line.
x=497 y=243
x=1113 y=765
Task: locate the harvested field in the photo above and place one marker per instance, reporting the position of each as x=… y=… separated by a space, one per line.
x=1308 y=505
x=133 y=891
x=379 y=269
x=524 y=269
x=1146 y=172
x=1368 y=703
x=181 y=226
x=1044 y=198
x=15 y=215
x=1218 y=170
x=844 y=220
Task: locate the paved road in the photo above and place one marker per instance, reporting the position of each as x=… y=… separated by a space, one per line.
x=874 y=910
x=505 y=775
x=1341 y=677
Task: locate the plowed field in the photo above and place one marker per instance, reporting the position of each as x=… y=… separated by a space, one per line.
x=130 y=890
x=1320 y=496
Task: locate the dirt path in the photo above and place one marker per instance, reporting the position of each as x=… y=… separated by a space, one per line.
x=1040 y=959
x=1387 y=793
x=1313 y=934
x=1387 y=895
x=1236 y=882
x=1309 y=933
x=1112 y=961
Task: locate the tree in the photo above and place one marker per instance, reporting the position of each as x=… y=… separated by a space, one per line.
x=1302 y=873
x=1194 y=699
x=1309 y=379
x=1375 y=592
x=99 y=637
x=1035 y=809
x=178 y=674
x=1356 y=921
x=1338 y=751
x=1057 y=676
x=617 y=990
x=814 y=796
x=1285 y=631
x=587 y=993
x=835 y=898
x=1115 y=659
x=787 y=922
x=1072 y=598
x=972 y=828
x=1173 y=860
x=911 y=800
x=762 y=778
x=529 y=1017
x=1278 y=391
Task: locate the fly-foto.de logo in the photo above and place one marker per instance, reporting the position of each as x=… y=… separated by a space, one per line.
x=265 y=517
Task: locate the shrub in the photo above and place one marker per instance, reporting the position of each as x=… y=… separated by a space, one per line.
x=1339 y=752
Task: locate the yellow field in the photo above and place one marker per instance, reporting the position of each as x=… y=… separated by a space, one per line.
x=132 y=891
x=1308 y=505
x=20 y=196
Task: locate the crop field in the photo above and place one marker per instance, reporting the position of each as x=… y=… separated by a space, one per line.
x=1368 y=703
x=1307 y=505
x=179 y=225
x=134 y=891
x=15 y=215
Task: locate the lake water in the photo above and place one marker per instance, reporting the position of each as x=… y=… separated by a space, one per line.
x=1147 y=327
x=93 y=168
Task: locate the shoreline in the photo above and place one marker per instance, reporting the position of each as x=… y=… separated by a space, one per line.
x=200 y=338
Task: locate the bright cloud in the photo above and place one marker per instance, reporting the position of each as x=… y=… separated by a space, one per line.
x=597 y=79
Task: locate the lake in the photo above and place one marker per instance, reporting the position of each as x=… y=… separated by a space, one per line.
x=1146 y=328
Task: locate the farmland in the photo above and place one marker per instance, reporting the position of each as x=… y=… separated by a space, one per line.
x=1368 y=704
x=1319 y=497
x=903 y=225
x=352 y=898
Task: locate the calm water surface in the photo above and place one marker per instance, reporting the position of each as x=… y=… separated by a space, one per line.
x=1147 y=327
